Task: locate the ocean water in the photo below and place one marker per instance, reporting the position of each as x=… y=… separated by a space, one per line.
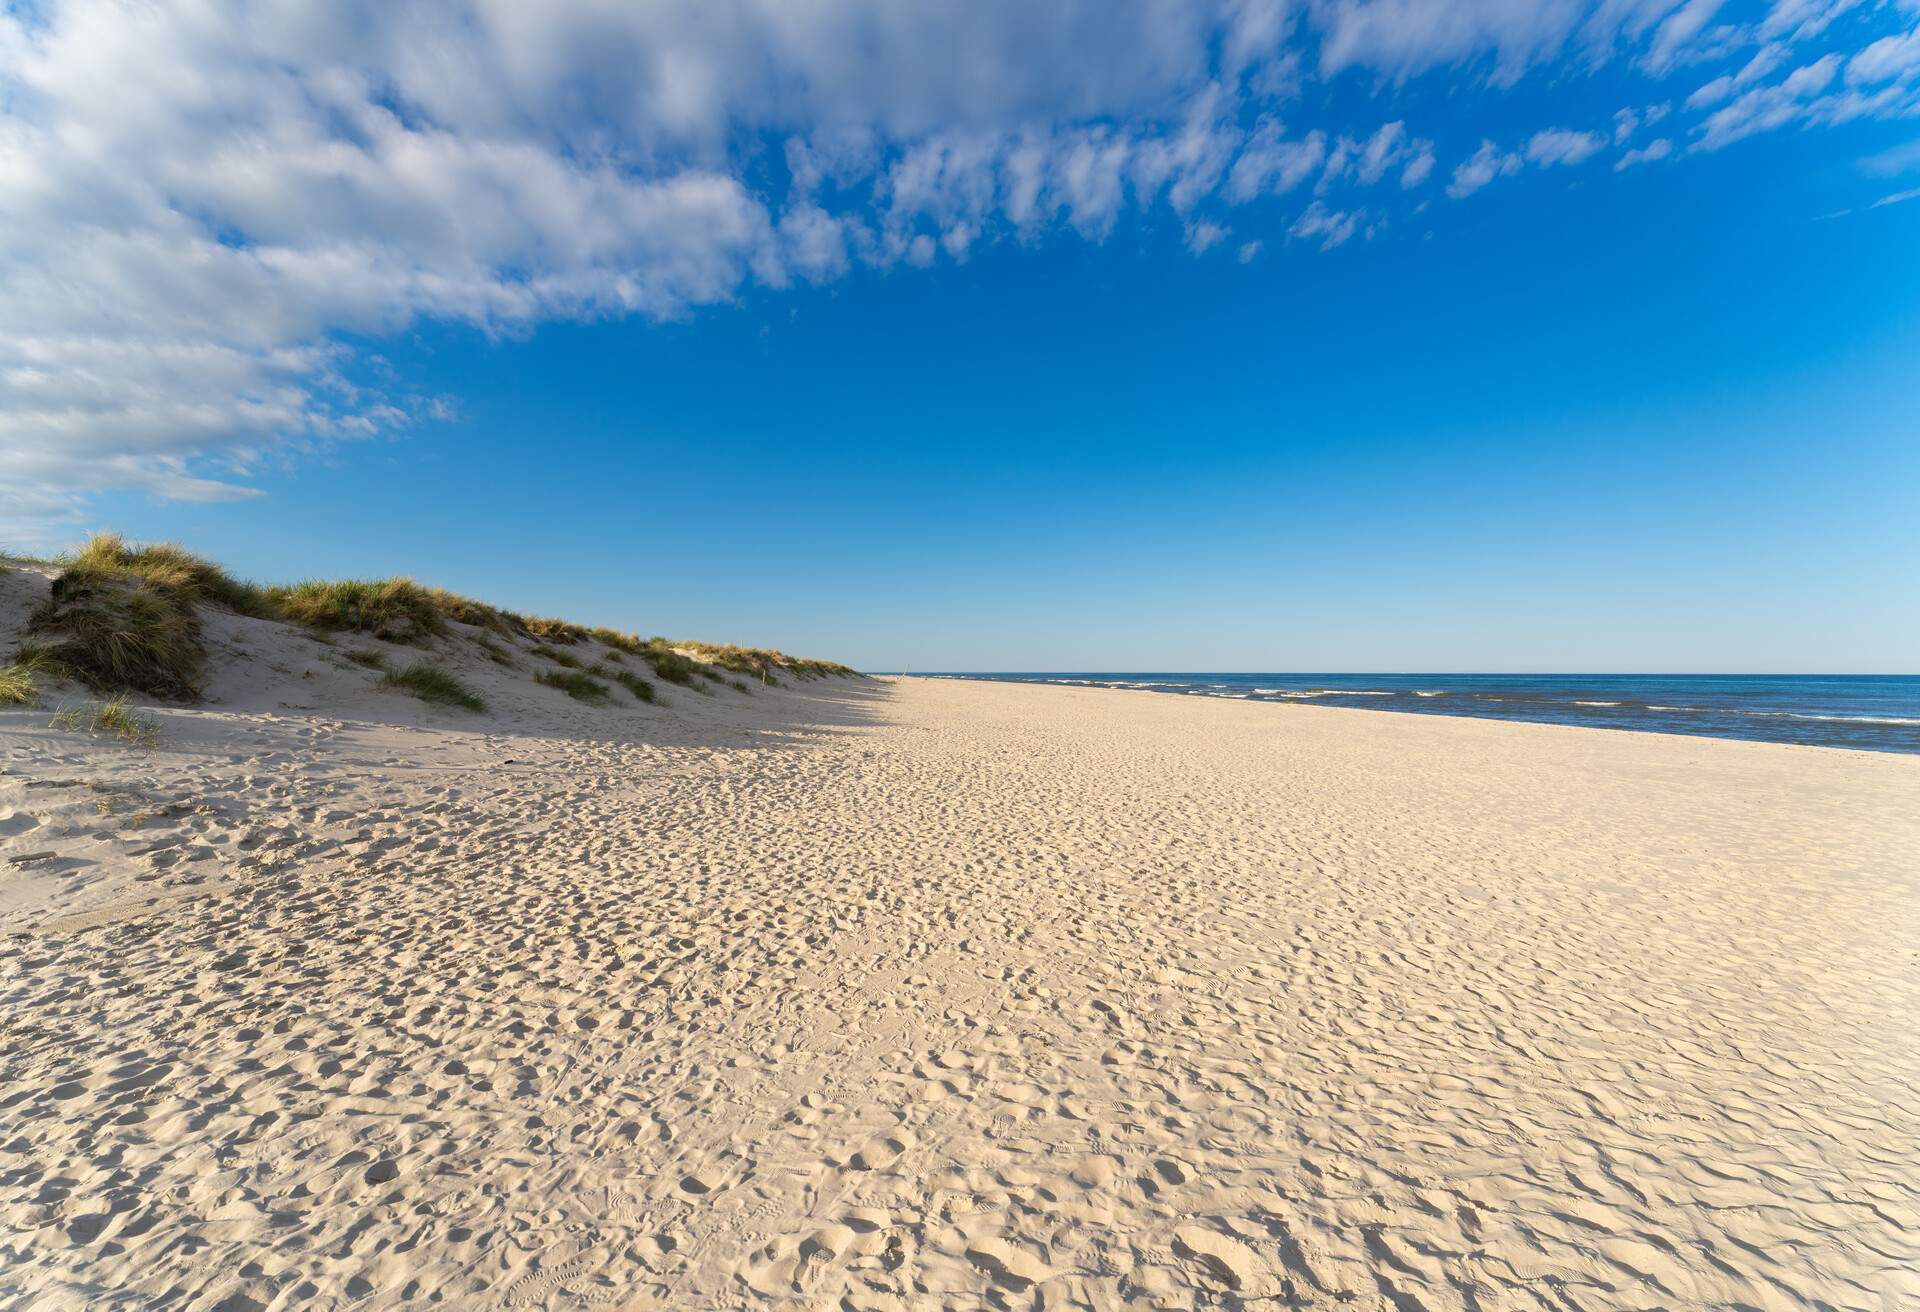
x=1880 y=713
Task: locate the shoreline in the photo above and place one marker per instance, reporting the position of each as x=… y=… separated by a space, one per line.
x=1164 y=685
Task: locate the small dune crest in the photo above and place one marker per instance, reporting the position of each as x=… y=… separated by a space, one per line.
x=160 y=623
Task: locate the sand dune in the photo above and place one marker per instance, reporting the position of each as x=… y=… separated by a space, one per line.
x=914 y=994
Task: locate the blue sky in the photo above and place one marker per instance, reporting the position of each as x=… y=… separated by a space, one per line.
x=1100 y=352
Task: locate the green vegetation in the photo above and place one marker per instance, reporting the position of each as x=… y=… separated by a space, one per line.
x=740 y=685
x=465 y=610
x=432 y=683
x=121 y=617
x=634 y=684
x=762 y=662
x=20 y=681
x=563 y=632
x=114 y=717
x=17 y=685
x=495 y=652
x=620 y=642
x=668 y=664
x=393 y=610
x=169 y=567
x=575 y=684
x=741 y=660
x=119 y=633
x=124 y=617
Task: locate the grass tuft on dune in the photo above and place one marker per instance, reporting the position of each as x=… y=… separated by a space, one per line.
x=622 y=642
x=495 y=652
x=465 y=610
x=17 y=685
x=575 y=684
x=113 y=717
x=170 y=567
x=434 y=683
x=564 y=632
x=761 y=662
x=668 y=664
x=121 y=617
x=634 y=684
x=20 y=679
x=393 y=610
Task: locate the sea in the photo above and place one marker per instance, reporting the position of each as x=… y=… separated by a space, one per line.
x=1879 y=713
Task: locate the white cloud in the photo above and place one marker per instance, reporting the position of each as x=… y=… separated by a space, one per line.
x=1402 y=38
x=1889 y=57
x=1382 y=151
x=1708 y=94
x=1547 y=148
x=813 y=243
x=1483 y=166
x=1657 y=149
x=1802 y=20
x=1272 y=164
x=1895 y=161
x=1419 y=168
x=1255 y=33
x=1189 y=163
x=1765 y=108
x=1673 y=37
x=1765 y=61
x=1561 y=146
x=1204 y=236
x=1329 y=226
x=1390 y=149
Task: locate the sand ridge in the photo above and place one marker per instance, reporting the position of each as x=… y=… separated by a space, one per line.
x=927 y=994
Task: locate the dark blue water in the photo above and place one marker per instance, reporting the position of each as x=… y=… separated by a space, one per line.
x=1878 y=712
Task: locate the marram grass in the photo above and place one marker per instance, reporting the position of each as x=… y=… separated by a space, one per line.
x=112 y=717
x=634 y=684
x=17 y=685
x=575 y=684
x=434 y=683
x=121 y=617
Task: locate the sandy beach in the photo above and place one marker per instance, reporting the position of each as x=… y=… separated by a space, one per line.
x=909 y=994
x=938 y=656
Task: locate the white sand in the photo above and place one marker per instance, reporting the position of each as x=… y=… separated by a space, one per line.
x=926 y=994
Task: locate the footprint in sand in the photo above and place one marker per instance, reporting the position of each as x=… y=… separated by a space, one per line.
x=705 y=1180
x=1010 y=1265
x=882 y=1152
x=1224 y=1261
